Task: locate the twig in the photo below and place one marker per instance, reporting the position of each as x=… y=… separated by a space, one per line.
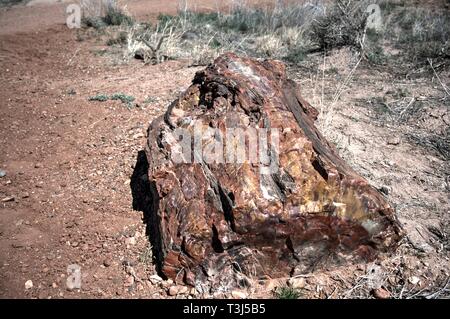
x=439 y=79
x=437 y=293
x=341 y=88
x=406 y=108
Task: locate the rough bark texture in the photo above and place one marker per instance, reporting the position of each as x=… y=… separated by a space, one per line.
x=214 y=225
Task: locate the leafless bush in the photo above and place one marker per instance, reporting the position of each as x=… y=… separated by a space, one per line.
x=343 y=24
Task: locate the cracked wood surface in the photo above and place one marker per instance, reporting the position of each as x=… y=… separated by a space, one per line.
x=216 y=224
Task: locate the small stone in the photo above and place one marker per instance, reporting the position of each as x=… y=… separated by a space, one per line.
x=414 y=280
x=37 y=165
x=393 y=141
x=392 y=280
x=2 y=173
x=8 y=199
x=72 y=282
x=138 y=135
x=236 y=294
x=155 y=279
x=28 y=284
x=25 y=195
x=130 y=281
x=189 y=36
x=297 y=283
x=193 y=292
x=130 y=241
x=182 y=290
x=271 y=284
x=381 y=293
x=106 y=263
x=166 y=284
x=173 y=291
x=54 y=285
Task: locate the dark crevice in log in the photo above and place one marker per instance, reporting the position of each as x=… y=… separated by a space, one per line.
x=168 y=113
x=216 y=243
x=284 y=181
x=233 y=245
x=227 y=207
x=319 y=167
x=290 y=247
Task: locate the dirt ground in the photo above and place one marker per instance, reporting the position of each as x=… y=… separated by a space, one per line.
x=66 y=197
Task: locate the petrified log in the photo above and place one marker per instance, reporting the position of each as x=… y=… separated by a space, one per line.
x=218 y=220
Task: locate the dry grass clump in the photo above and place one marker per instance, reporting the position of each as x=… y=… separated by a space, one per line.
x=422 y=33
x=277 y=32
x=287 y=31
x=343 y=24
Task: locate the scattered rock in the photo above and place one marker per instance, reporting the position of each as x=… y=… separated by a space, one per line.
x=297 y=283
x=2 y=173
x=8 y=199
x=167 y=283
x=155 y=279
x=419 y=236
x=106 y=263
x=73 y=280
x=393 y=141
x=236 y=294
x=28 y=284
x=393 y=280
x=189 y=36
x=54 y=285
x=183 y=290
x=130 y=281
x=381 y=293
x=245 y=203
x=173 y=291
x=25 y=195
x=130 y=241
x=414 y=280
x=138 y=135
x=193 y=292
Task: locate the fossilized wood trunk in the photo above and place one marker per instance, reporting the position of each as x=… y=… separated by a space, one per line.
x=216 y=223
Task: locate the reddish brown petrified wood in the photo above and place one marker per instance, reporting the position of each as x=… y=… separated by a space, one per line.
x=216 y=224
